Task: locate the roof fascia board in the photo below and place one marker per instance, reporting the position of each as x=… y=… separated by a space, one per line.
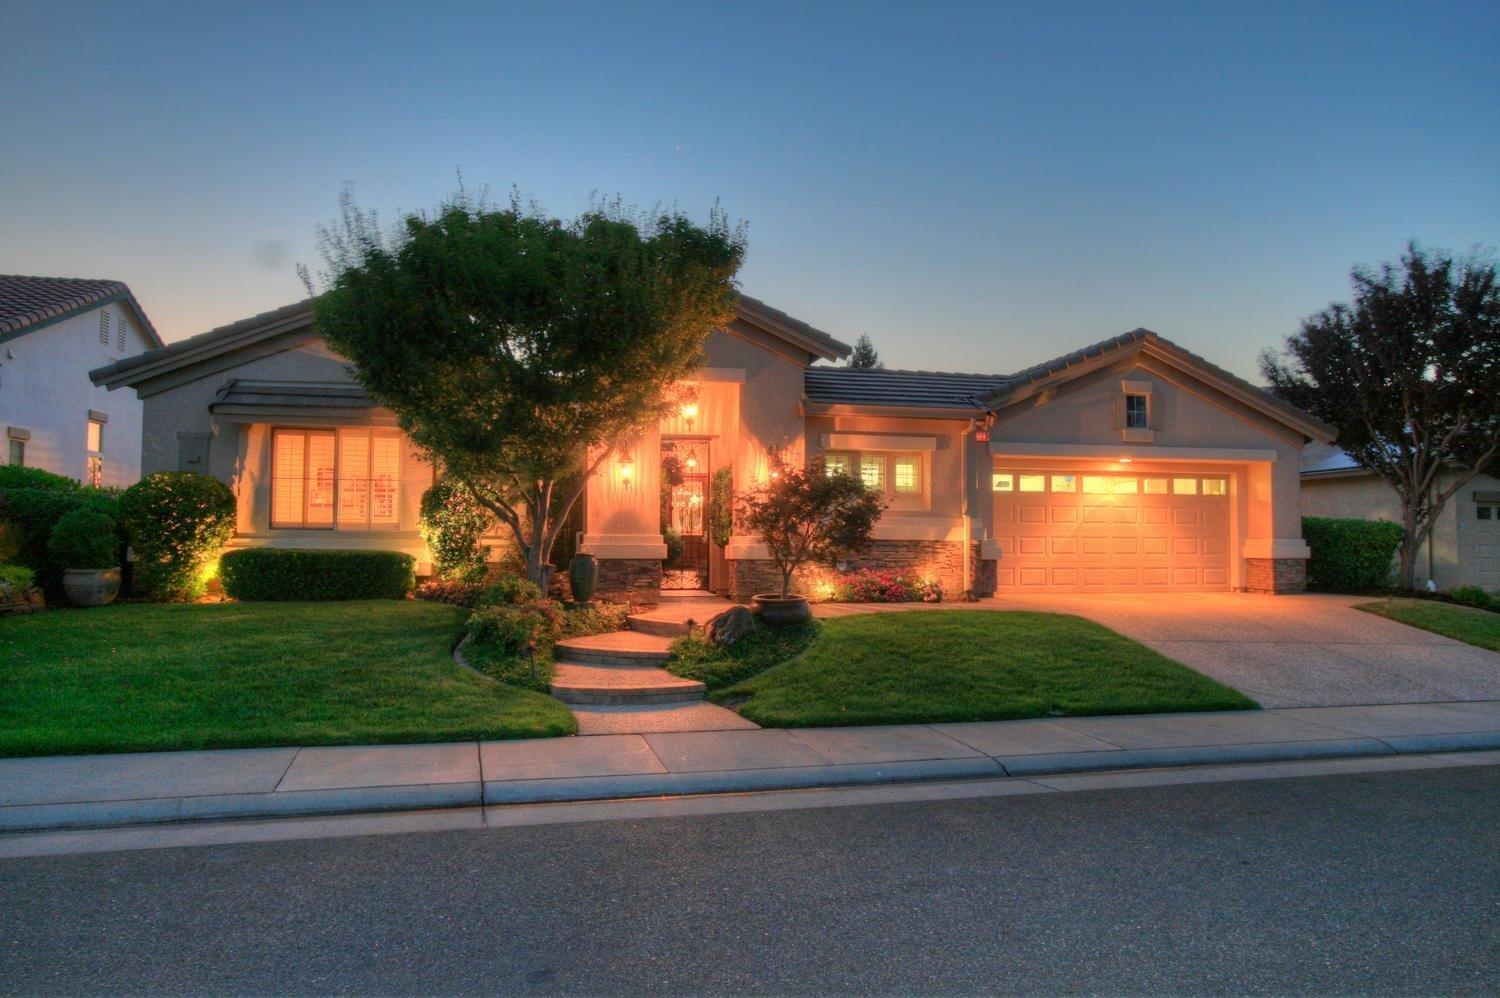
x=215 y=364
x=1254 y=398
x=906 y=412
x=775 y=327
x=146 y=368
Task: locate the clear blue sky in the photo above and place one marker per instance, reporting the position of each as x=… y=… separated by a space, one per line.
x=978 y=187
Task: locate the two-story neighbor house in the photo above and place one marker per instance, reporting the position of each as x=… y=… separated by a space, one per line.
x=53 y=331
x=1129 y=466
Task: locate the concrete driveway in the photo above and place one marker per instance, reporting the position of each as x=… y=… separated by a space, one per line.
x=1291 y=651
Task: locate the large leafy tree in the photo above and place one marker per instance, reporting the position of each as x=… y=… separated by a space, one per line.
x=1409 y=372
x=519 y=350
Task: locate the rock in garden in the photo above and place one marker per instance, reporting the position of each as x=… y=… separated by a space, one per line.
x=729 y=626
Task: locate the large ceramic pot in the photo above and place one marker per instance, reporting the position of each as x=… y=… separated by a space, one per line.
x=91 y=586
x=583 y=574
x=778 y=611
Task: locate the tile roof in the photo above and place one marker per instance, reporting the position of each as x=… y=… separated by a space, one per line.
x=1326 y=459
x=31 y=301
x=307 y=394
x=898 y=389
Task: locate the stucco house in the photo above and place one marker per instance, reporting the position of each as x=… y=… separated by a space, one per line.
x=1128 y=466
x=1464 y=547
x=53 y=331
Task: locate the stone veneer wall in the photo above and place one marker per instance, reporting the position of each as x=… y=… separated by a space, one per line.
x=942 y=560
x=629 y=580
x=1275 y=575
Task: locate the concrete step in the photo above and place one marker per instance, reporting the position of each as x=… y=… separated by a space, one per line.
x=618 y=648
x=585 y=684
x=670 y=619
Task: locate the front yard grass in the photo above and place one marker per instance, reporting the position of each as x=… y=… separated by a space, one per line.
x=931 y=666
x=1463 y=623
x=137 y=677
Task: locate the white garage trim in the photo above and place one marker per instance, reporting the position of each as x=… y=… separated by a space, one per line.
x=1001 y=448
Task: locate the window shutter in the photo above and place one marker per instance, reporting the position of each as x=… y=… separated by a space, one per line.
x=1153 y=411
x=1117 y=410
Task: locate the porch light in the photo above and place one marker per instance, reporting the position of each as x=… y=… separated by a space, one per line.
x=688 y=412
x=1124 y=460
x=626 y=471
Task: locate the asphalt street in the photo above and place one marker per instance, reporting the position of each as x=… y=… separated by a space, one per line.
x=1381 y=882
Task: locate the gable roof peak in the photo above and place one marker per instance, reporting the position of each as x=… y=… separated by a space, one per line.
x=29 y=302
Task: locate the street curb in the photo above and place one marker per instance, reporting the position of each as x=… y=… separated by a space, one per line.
x=285 y=804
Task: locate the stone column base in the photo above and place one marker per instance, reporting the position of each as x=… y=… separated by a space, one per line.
x=1275 y=575
x=748 y=576
x=629 y=580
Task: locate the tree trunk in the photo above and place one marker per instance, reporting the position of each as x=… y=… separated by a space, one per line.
x=786 y=582
x=1406 y=571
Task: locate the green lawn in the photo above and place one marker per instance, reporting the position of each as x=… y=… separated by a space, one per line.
x=718 y=666
x=1464 y=623
x=928 y=666
x=138 y=677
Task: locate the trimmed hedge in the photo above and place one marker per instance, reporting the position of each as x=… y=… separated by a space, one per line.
x=28 y=515
x=1350 y=555
x=85 y=538
x=316 y=574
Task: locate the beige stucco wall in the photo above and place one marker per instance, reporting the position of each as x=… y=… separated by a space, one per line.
x=1447 y=558
x=941 y=519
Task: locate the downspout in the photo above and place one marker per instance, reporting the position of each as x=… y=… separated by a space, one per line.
x=963 y=476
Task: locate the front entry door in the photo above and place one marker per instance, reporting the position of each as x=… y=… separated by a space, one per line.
x=684 y=514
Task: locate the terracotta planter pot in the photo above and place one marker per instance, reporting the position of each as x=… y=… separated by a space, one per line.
x=778 y=611
x=91 y=586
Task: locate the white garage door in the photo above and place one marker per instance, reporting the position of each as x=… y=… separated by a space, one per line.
x=1072 y=531
x=1483 y=543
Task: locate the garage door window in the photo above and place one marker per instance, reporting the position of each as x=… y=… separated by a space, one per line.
x=1184 y=486
x=1032 y=483
x=1002 y=481
x=1215 y=487
x=1064 y=483
x=1095 y=485
x=1125 y=485
x=1154 y=486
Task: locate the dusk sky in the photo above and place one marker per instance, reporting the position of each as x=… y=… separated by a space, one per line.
x=978 y=187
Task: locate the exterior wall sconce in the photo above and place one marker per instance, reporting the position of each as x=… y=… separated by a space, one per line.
x=688 y=412
x=626 y=471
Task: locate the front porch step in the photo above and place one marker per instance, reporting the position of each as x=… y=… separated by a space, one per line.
x=585 y=684
x=620 y=649
x=678 y=595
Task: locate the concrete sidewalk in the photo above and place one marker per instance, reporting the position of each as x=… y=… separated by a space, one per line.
x=101 y=790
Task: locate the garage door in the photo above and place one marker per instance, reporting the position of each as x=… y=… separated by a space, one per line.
x=1483 y=543
x=1071 y=531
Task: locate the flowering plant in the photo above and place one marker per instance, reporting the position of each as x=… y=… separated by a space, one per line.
x=871 y=586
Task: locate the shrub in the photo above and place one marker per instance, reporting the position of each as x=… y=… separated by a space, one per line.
x=262 y=574
x=869 y=586
x=447 y=591
x=30 y=514
x=1473 y=596
x=1350 y=555
x=84 y=538
x=177 y=522
x=14 y=577
x=809 y=515
x=499 y=634
x=453 y=523
x=718 y=666
x=508 y=590
x=16 y=476
x=721 y=506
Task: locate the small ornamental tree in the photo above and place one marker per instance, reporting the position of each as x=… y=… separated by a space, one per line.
x=519 y=350
x=808 y=516
x=1409 y=372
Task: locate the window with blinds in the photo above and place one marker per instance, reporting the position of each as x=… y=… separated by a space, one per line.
x=349 y=479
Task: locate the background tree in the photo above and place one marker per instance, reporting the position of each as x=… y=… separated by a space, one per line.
x=1409 y=372
x=864 y=355
x=518 y=350
x=806 y=516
